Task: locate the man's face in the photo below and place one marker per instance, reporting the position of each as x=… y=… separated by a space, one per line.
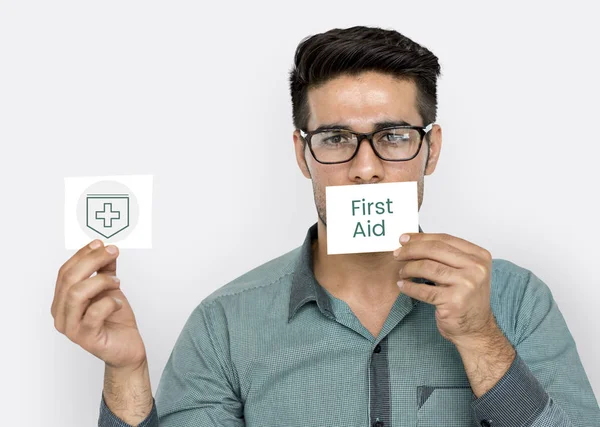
x=358 y=103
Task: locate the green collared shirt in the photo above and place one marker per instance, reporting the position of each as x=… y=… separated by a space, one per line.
x=275 y=348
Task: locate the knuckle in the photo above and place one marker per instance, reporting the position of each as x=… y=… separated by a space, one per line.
x=68 y=277
x=405 y=250
x=436 y=244
x=58 y=325
x=433 y=297
x=406 y=266
x=440 y=271
x=71 y=333
x=470 y=284
x=62 y=270
x=93 y=313
x=109 y=281
x=443 y=314
x=486 y=254
x=75 y=295
x=482 y=268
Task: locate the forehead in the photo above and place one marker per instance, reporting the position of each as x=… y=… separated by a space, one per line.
x=363 y=100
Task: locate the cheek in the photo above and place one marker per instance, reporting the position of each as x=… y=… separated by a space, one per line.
x=326 y=175
x=405 y=171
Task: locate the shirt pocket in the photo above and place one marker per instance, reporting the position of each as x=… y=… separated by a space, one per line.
x=444 y=406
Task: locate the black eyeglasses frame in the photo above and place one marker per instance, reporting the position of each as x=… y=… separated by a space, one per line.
x=423 y=130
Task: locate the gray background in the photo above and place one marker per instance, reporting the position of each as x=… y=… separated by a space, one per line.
x=198 y=95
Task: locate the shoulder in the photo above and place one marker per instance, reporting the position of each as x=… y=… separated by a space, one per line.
x=517 y=296
x=260 y=279
x=510 y=279
x=245 y=301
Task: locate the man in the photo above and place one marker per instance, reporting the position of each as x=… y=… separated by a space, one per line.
x=346 y=340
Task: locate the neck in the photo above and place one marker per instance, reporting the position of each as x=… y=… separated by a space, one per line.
x=367 y=277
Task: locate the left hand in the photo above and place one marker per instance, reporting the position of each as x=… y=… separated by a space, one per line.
x=462 y=273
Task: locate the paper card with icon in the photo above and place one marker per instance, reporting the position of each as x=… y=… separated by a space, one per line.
x=114 y=209
x=370 y=217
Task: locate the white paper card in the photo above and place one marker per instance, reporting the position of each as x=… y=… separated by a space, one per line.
x=115 y=209
x=370 y=217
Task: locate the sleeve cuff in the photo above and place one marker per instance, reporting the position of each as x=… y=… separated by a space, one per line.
x=108 y=419
x=517 y=399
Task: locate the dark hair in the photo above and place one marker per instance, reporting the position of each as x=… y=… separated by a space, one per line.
x=354 y=50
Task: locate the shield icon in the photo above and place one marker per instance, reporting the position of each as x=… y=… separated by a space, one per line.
x=107 y=214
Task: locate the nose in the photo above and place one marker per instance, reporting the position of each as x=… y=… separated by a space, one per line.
x=366 y=167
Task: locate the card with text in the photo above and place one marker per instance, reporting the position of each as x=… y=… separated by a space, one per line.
x=370 y=217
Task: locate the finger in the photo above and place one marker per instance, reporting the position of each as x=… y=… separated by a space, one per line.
x=435 y=250
x=440 y=274
x=110 y=268
x=93 y=261
x=90 y=262
x=77 y=300
x=430 y=294
x=96 y=315
x=457 y=242
x=68 y=264
x=82 y=252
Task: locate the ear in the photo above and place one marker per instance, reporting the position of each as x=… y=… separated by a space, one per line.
x=300 y=149
x=435 y=146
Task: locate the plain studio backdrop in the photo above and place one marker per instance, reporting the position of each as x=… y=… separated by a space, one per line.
x=197 y=94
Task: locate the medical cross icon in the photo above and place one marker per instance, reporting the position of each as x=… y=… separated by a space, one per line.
x=108 y=216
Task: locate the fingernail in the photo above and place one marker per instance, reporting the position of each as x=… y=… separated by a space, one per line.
x=404 y=238
x=118 y=301
x=95 y=244
x=400 y=283
x=111 y=249
x=115 y=278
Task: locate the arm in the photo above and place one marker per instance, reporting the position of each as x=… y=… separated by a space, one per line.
x=545 y=385
x=486 y=359
x=127 y=399
x=199 y=386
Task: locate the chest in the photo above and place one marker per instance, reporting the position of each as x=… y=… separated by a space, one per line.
x=319 y=369
x=373 y=322
x=372 y=318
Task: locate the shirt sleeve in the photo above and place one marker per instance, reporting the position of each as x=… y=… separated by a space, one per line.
x=199 y=385
x=546 y=385
x=109 y=419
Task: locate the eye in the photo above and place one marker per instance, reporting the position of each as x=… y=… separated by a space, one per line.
x=336 y=138
x=396 y=137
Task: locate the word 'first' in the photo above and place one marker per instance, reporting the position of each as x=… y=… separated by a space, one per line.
x=365 y=207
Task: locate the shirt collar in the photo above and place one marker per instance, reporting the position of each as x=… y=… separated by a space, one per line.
x=305 y=287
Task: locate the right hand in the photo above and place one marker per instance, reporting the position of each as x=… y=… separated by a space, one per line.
x=84 y=309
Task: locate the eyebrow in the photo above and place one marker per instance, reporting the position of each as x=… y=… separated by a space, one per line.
x=378 y=125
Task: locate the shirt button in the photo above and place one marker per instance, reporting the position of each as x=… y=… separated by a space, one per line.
x=486 y=423
x=377 y=350
x=378 y=423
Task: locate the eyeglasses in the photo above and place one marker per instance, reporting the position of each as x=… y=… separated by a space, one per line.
x=394 y=144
